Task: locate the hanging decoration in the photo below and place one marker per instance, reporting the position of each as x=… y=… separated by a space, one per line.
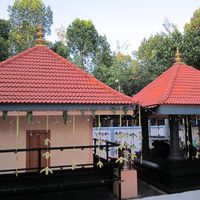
x=47 y=155
x=99 y=150
x=47 y=124
x=17 y=145
x=74 y=141
x=111 y=122
x=65 y=116
x=122 y=146
x=196 y=120
x=187 y=138
x=140 y=125
x=127 y=123
x=198 y=143
x=113 y=110
x=125 y=109
x=5 y=115
x=29 y=117
x=82 y=112
x=93 y=114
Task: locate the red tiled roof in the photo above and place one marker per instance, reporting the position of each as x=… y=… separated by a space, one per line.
x=38 y=75
x=180 y=84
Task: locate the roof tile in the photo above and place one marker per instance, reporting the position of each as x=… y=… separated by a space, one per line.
x=180 y=84
x=38 y=75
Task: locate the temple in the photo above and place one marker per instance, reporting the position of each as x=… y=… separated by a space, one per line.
x=174 y=96
x=47 y=108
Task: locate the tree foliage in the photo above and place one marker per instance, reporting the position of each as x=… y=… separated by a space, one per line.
x=155 y=55
x=86 y=47
x=194 y=23
x=190 y=48
x=191 y=41
x=82 y=41
x=120 y=74
x=24 y=16
x=4 y=39
x=61 y=49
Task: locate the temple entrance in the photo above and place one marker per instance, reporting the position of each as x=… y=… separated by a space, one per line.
x=35 y=139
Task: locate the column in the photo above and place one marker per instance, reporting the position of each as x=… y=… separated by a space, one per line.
x=175 y=153
x=145 y=133
x=188 y=127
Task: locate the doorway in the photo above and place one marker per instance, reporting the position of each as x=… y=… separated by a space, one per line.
x=35 y=139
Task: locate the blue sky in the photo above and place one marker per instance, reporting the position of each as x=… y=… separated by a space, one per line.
x=128 y=21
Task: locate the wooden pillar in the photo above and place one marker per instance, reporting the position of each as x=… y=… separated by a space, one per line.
x=145 y=133
x=175 y=153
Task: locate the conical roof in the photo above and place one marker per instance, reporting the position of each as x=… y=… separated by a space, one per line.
x=179 y=85
x=39 y=75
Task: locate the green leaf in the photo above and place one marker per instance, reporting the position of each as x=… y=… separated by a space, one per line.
x=73 y=166
x=65 y=116
x=133 y=156
x=47 y=155
x=197 y=155
x=125 y=109
x=188 y=143
x=29 y=117
x=46 y=170
x=100 y=164
x=82 y=112
x=47 y=141
x=113 y=110
x=121 y=160
x=5 y=115
x=121 y=147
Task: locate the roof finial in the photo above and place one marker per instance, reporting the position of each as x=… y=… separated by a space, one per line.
x=40 y=41
x=178 y=56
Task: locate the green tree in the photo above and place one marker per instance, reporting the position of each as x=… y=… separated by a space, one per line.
x=24 y=16
x=86 y=47
x=61 y=49
x=155 y=55
x=120 y=75
x=191 y=40
x=4 y=39
x=194 y=23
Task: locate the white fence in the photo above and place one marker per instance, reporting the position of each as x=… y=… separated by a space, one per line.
x=131 y=135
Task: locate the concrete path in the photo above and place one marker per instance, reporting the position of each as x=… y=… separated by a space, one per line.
x=191 y=195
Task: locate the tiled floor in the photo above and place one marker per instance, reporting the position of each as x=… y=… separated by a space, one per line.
x=147 y=190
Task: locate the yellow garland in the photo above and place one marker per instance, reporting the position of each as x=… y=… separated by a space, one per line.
x=47 y=125
x=120 y=120
x=47 y=154
x=187 y=135
x=99 y=123
x=99 y=164
x=140 y=124
x=140 y=116
x=74 y=141
x=121 y=146
x=16 y=146
x=127 y=123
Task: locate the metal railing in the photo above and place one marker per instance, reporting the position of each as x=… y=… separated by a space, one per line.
x=108 y=162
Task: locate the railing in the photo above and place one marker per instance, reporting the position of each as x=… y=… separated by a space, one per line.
x=108 y=162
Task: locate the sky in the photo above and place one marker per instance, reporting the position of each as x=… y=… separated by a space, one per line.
x=126 y=21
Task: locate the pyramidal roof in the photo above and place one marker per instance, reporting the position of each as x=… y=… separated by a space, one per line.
x=38 y=75
x=179 y=85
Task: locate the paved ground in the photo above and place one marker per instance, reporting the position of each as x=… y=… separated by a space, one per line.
x=149 y=192
x=191 y=195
